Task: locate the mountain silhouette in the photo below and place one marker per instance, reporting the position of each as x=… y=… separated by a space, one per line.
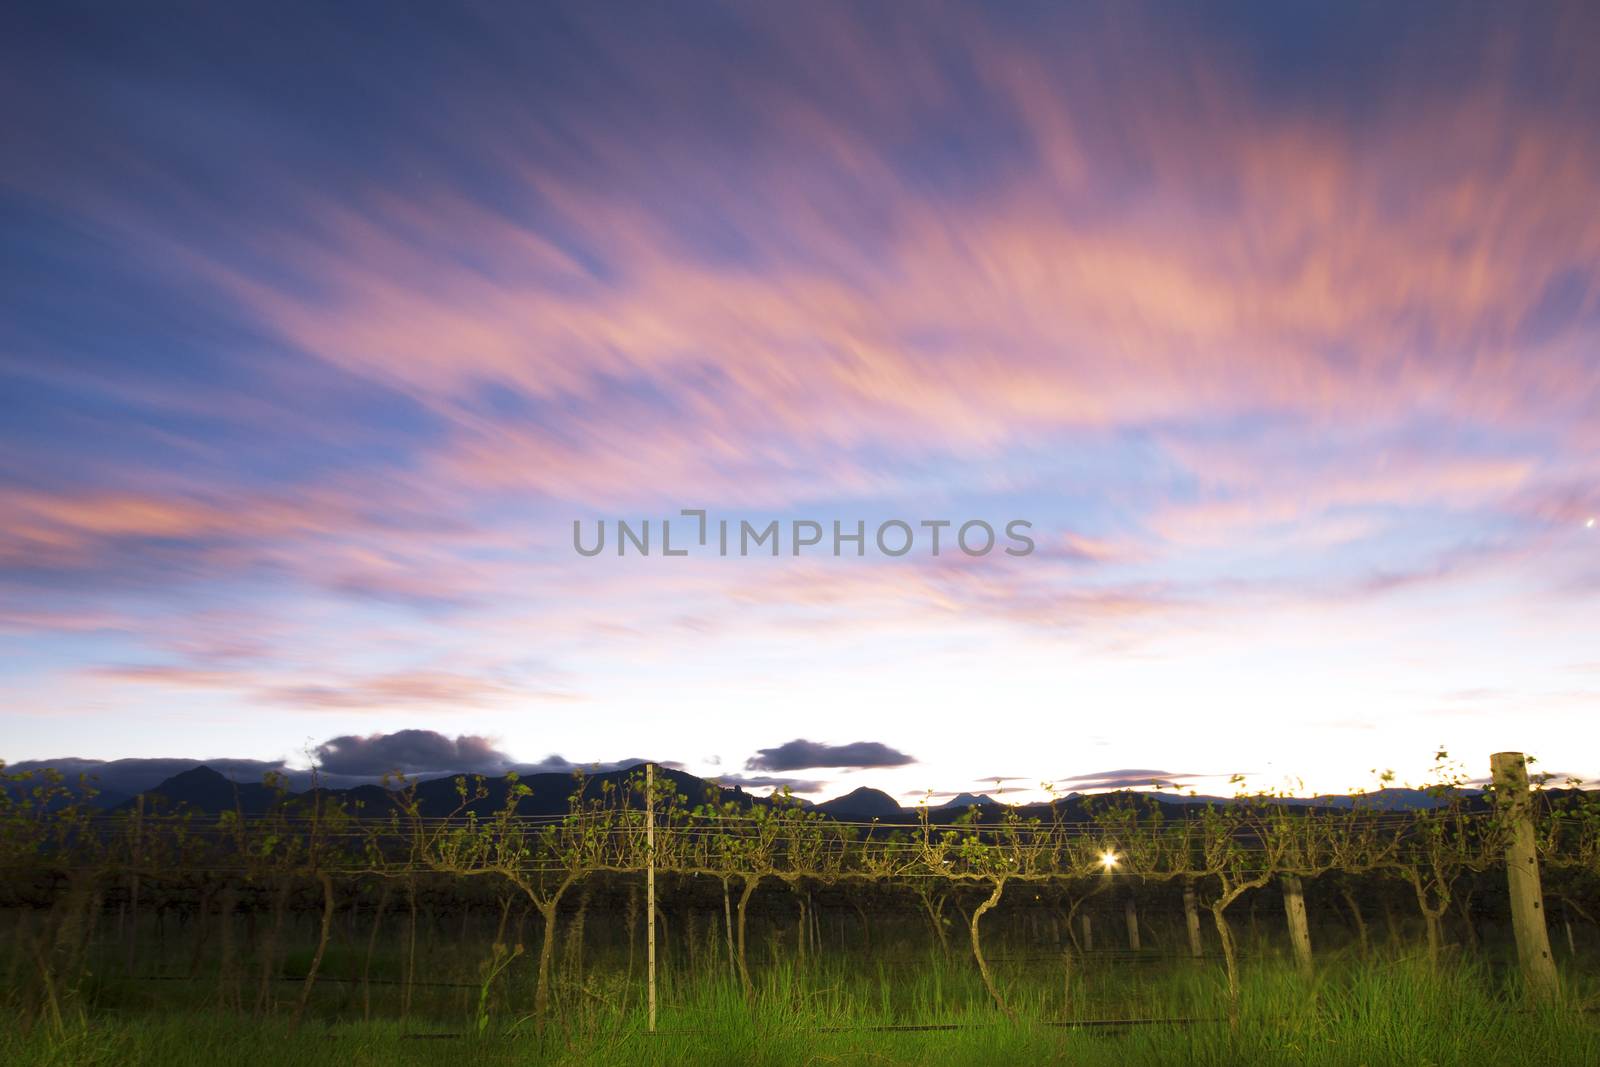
x=961 y=801
x=863 y=803
x=203 y=789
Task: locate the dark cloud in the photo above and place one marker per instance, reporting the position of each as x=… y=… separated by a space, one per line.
x=1128 y=778
x=801 y=754
x=410 y=752
x=427 y=752
x=759 y=781
x=1127 y=772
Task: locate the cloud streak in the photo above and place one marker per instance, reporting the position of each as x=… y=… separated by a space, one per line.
x=1258 y=354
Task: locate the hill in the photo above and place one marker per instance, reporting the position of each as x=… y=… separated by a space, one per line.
x=204 y=789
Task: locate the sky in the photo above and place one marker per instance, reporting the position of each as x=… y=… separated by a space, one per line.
x=1279 y=324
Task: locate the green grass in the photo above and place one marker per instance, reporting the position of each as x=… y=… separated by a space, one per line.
x=1390 y=1012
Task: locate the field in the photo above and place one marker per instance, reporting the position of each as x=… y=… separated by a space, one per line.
x=1398 y=1015
x=1389 y=1009
x=1244 y=933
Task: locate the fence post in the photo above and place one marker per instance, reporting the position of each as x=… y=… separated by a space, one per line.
x=1130 y=915
x=650 y=888
x=1294 y=906
x=133 y=883
x=1191 y=917
x=1510 y=775
x=1088 y=932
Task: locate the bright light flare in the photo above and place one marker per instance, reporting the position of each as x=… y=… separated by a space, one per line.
x=1108 y=860
x=1589 y=525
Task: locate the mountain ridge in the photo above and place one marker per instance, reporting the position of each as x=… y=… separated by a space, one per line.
x=204 y=789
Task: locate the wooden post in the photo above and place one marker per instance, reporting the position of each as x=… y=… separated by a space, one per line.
x=1510 y=774
x=1191 y=915
x=1130 y=915
x=1088 y=932
x=1294 y=906
x=727 y=923
x=133 y=887
x=650 y=888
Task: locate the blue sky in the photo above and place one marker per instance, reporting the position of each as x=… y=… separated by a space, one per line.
x=319 y=329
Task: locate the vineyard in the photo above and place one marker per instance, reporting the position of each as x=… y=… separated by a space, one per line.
x=1231 y=918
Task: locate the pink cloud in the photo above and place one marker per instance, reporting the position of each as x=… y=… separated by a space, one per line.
x=1175 y=252
x=1272 y=263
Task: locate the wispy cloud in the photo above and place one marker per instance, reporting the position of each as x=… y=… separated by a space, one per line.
x=1256 y=360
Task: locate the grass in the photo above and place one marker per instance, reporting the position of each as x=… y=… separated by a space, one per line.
x=1388 y=1012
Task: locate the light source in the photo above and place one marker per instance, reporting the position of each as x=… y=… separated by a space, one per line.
x=1108 y=860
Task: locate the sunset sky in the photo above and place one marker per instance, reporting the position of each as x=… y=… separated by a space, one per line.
x=1281 y=324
